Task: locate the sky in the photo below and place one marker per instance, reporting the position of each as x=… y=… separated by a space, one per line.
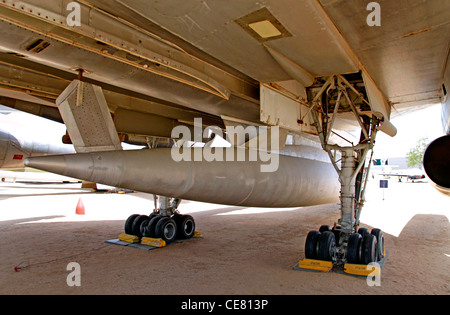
x=411 y=127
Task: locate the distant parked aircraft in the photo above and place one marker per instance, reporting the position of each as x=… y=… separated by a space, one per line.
x=24 y=135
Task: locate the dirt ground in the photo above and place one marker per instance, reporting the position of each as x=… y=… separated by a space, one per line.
x=243 y=250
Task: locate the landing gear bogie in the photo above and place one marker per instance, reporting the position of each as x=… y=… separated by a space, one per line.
x=168 y=228
x=334 y=245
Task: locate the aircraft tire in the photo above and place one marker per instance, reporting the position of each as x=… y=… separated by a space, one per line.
x=129 y=224
x=380 y=242
x=166 y=229
x=311 y=244
x=143 y=226
x=354 y=248
x=327 y=246
x=150 y=229
x=324 y=228
x=363 y=232
x=337 y=233
x=136 y=226
x=185 y=226
x=369 y=251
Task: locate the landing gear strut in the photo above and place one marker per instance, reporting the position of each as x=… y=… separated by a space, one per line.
x=165 y=222
x=345 y=243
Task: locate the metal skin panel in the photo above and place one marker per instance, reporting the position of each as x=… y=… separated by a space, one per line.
x=212 y=27
x=288 y=113
x=110 y=68
x=406 y=55
x=3 y=150
x=297 y=182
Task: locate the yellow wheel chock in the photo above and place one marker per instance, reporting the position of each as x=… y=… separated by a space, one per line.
x=156 y=242
x=363 y=270
x=145 y=242
x=315 y=265
x=129 y=238
x=370 y=270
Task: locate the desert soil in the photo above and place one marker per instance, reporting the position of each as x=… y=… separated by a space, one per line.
x=242 y=251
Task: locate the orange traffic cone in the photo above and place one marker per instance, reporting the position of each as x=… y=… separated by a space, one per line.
x=80 y=207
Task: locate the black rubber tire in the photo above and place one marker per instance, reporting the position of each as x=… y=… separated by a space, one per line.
x=337 y=233
x=324 y=228
x=311 y=244
x=185 y=226
x=143 y=226
x=380 y=242
x=129 y=224
x=150 y=229
x=363 y=232
x=369 y=251
x=136 y=226
x=327 y=246
x=354 y=248
x=166 y=229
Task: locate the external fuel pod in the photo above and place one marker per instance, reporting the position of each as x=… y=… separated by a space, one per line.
x=297 y=181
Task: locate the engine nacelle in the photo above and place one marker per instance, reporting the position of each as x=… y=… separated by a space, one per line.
x=436 y=162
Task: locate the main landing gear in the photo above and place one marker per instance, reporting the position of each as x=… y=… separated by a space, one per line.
x=344 y=244
x=164 y=223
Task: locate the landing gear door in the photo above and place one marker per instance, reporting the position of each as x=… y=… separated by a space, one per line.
x=278 y=109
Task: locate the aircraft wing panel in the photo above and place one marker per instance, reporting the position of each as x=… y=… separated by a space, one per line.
x=219 y=29
x=406 y=55
x=212 y=56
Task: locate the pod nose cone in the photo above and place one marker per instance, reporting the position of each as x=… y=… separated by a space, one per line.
x=54 y=164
